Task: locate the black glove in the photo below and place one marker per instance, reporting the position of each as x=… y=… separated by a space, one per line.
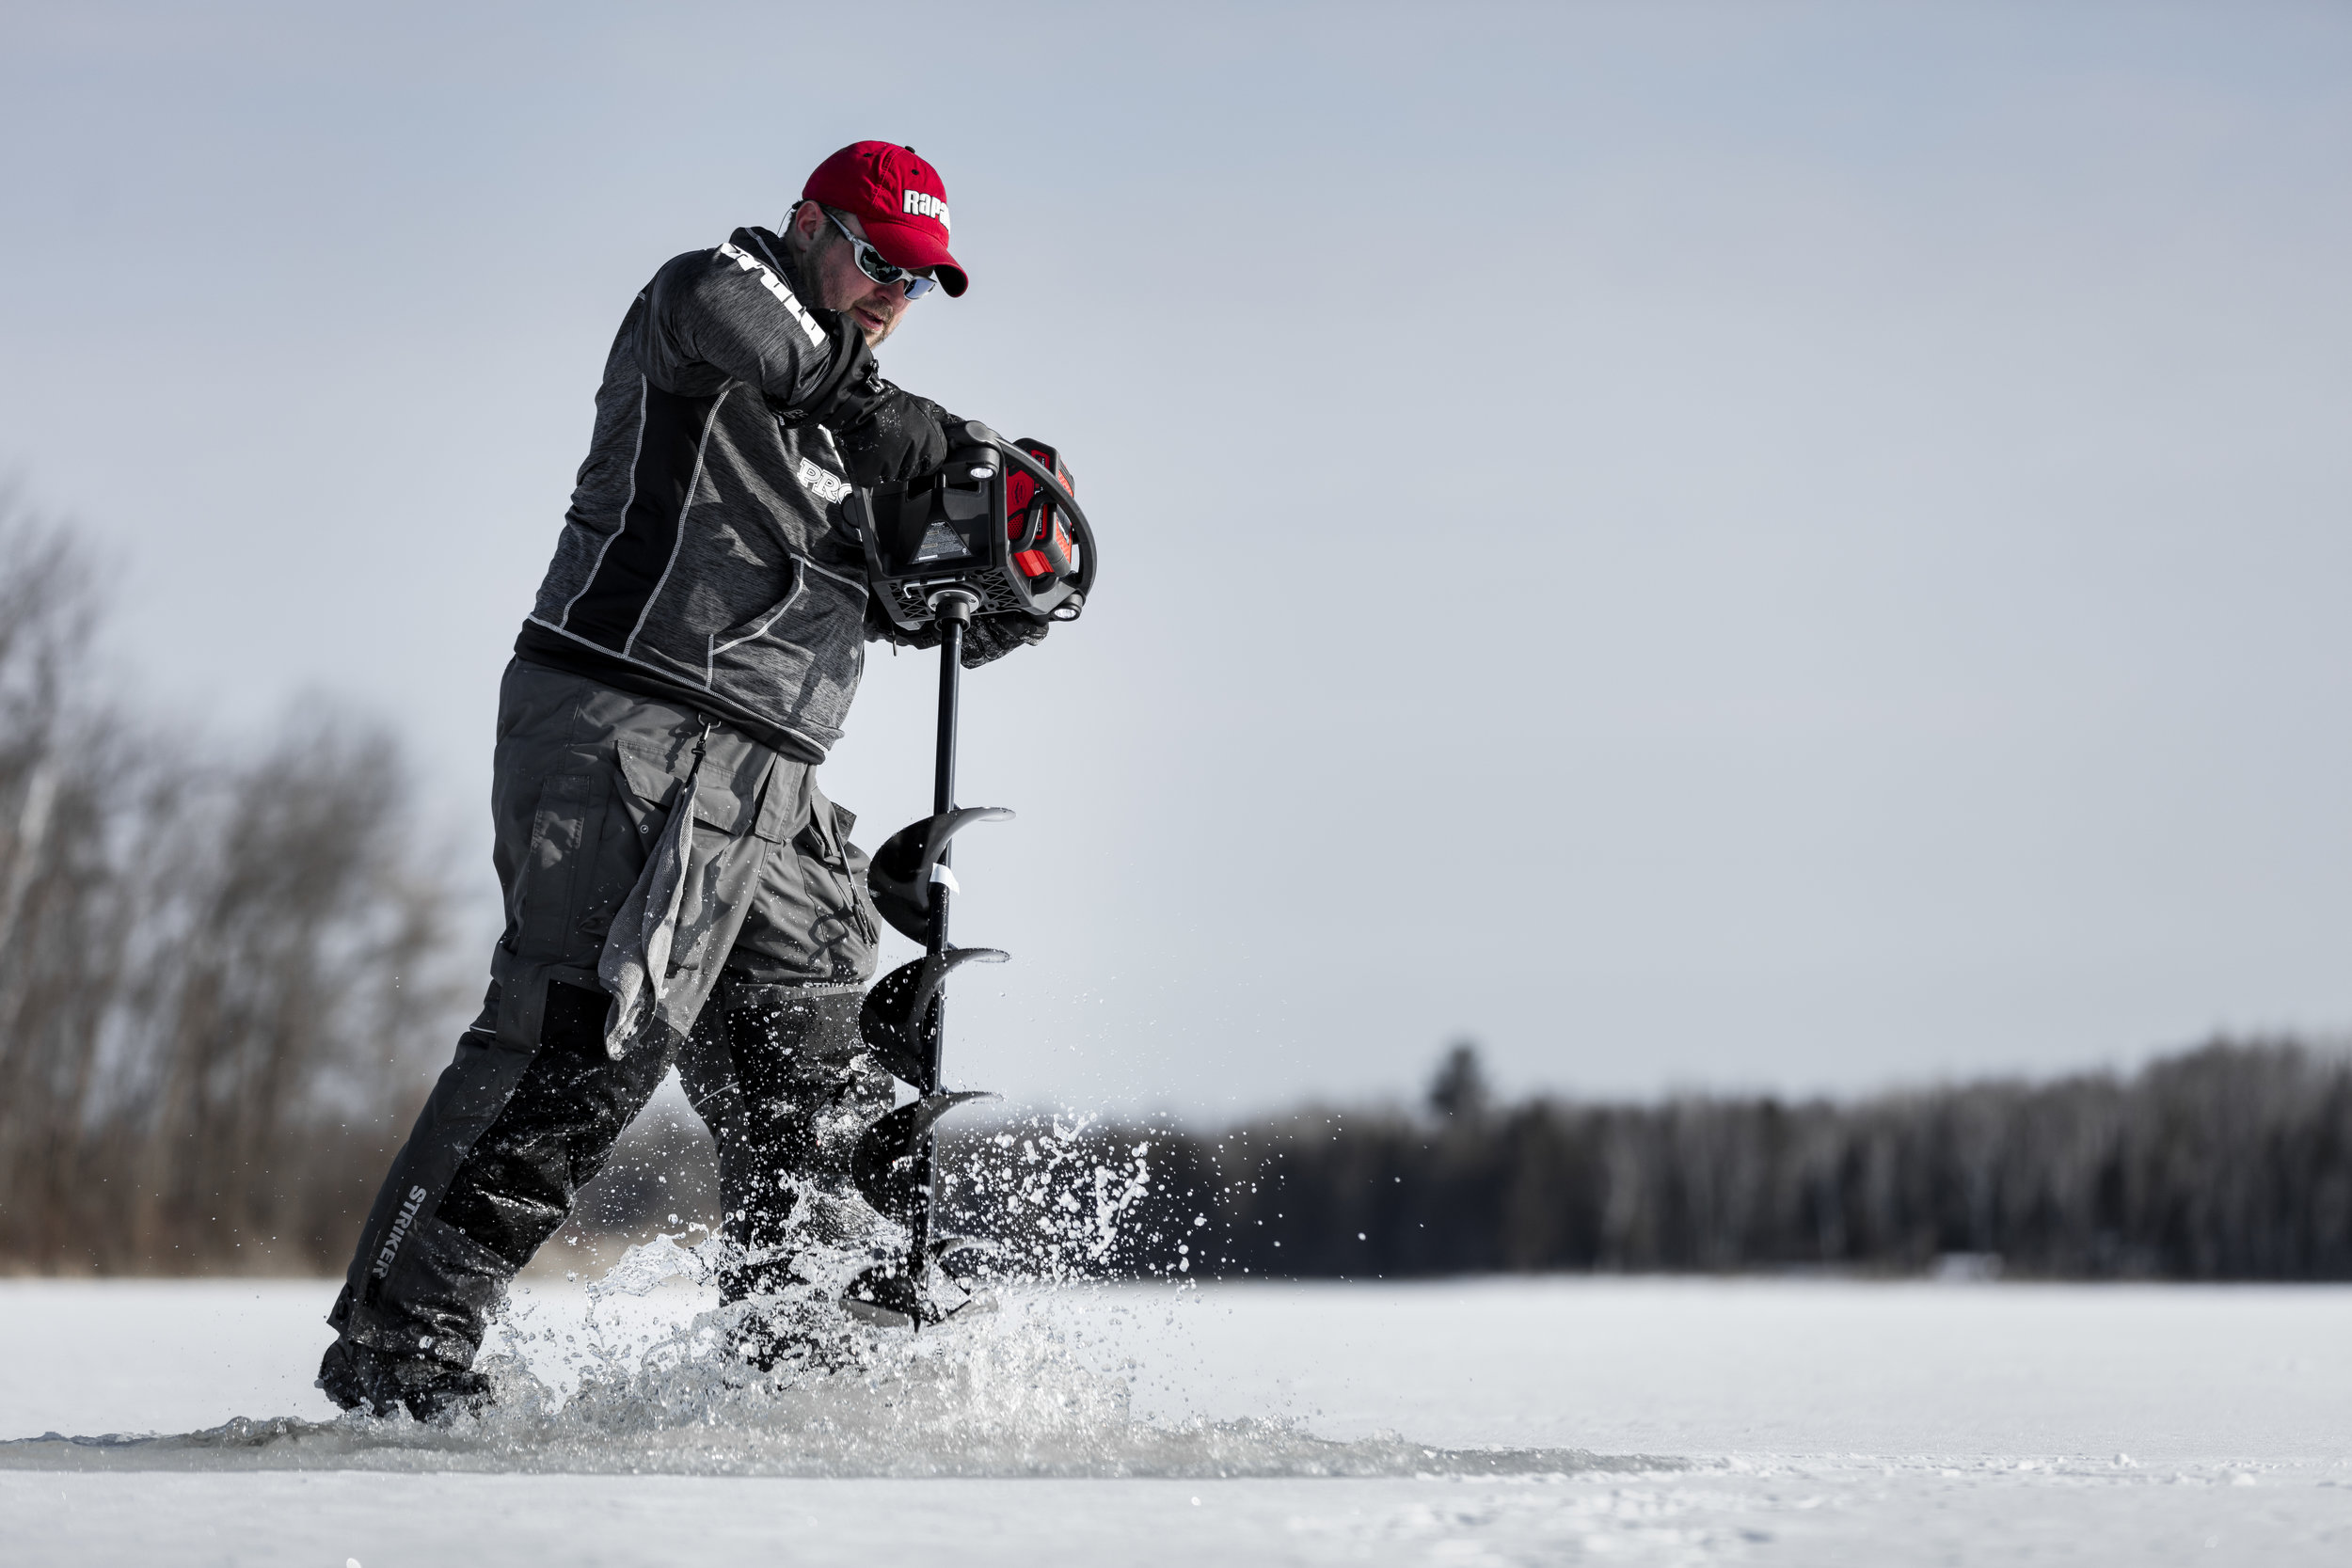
x=992 y=637
x=883 y=432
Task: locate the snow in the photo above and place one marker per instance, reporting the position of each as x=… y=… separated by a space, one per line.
x=1551 y=1420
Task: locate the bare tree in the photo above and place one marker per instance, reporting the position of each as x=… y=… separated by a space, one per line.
x=219 y=977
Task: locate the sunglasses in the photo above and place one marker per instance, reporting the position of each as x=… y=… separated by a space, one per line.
x=871 y=263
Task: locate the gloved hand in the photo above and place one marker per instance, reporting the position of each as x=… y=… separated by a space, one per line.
x=988 y=637
x=992 y=637
x=883 y=432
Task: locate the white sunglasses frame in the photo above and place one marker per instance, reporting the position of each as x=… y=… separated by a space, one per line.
x=918 y=282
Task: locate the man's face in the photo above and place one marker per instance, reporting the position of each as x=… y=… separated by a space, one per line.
x=840 y=285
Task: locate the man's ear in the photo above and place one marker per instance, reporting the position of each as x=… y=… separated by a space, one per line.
x=808 y=220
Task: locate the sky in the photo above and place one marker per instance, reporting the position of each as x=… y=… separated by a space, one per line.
x=1787 y=546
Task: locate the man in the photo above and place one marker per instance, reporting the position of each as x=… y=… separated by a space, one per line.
x=677 y=889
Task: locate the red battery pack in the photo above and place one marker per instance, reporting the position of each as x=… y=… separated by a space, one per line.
x=1031 y=518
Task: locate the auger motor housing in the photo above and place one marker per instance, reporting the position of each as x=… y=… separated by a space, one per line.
x=996 y=520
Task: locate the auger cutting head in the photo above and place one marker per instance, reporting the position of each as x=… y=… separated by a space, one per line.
x=891 y=1166
x=997 y=520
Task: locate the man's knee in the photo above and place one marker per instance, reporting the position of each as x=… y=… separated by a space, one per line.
x=812 y=1026
x=553 y=1133
x=805 y=1085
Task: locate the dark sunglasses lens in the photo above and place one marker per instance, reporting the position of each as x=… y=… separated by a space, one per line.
x=871 y=263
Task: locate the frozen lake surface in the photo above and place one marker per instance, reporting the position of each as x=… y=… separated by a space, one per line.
x=1505 y=1421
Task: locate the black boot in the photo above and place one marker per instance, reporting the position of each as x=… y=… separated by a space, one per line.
x=357 y=1378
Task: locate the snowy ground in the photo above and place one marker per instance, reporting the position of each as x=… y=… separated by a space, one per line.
x=1639 y=1421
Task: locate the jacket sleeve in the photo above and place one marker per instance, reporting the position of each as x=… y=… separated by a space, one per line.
x=725 y=314
x=727 y=310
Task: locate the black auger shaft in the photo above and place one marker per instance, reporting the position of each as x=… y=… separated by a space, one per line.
x=955 y=613
x=954 y=607
x=902 y=1021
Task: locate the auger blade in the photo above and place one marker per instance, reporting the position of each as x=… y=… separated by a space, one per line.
x=888 y=1296
x=901 y=876
x=896 y=1022
x=970 y=1249
x=885 y=1297
x=884 y=1163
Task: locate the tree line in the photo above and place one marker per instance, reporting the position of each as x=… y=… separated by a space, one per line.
x=222 y=973
x=2229 y=1161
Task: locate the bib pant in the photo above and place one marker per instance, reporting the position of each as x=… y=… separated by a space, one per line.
x=775 y=944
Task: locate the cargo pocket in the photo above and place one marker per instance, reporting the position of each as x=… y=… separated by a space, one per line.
x=564 y=838
x=843 y=928
x=856 y=862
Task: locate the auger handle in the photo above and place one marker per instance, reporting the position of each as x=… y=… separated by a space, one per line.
x=1082 y=581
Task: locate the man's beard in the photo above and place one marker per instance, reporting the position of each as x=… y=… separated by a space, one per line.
x=814 y=264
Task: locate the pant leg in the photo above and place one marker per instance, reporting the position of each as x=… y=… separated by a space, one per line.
x=506 y=1142
x=782 y=1077
x=529 y=1108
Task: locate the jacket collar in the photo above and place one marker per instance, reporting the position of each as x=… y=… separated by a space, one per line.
x=769 y=247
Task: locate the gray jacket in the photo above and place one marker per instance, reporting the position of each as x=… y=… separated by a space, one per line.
x=706 y=558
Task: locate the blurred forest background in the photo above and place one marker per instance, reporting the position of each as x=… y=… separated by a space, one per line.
x=222 y=973
x=226 y=975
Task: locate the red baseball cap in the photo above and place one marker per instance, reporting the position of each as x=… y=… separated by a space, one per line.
x=897 y=196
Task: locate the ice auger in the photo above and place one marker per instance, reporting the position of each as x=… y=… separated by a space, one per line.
x=995 y=530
